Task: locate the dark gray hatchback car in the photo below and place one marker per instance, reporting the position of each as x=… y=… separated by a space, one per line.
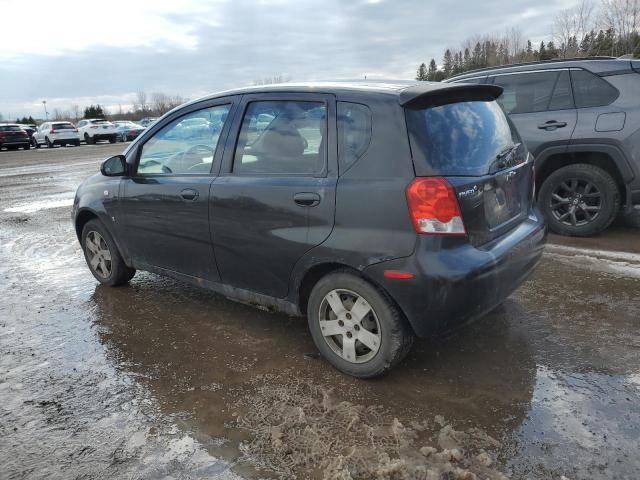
x=379 y=211
x=581 y=120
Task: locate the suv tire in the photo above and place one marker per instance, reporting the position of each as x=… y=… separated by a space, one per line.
x=382 y=325
x=579 y=200
x=102 y=255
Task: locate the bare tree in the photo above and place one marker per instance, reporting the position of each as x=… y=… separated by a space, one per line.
x=272 y=80
x=623 y=18
x=75 y=111
x=571 y=26
x=160 y=103
x=141 y=101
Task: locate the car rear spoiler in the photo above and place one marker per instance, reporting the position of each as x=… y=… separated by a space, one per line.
x=435 y=94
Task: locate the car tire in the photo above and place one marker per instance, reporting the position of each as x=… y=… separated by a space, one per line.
x=27 y=147
x=579 y=200
x=34 y=143
x=102 y=255
x=48 y=142
x=112 y=139
x=88 y=139
x=387 y=333
x=77 y=143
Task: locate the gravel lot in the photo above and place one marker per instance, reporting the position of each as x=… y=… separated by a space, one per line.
x=163 y=380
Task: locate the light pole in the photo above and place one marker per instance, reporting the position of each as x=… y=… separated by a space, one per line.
x=46 y=114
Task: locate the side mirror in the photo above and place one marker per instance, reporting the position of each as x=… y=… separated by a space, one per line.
x=115 y=166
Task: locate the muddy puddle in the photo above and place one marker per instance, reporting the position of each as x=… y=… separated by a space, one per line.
x=162 y=380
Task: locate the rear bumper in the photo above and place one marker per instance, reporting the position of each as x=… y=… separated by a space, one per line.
x=63 y=141
x=453 y=283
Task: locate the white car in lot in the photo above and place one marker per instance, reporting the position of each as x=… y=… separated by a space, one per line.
x=95 y=129
x=56 y=133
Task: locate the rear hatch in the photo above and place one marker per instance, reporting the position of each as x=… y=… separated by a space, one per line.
x=12 y=134
x=460 y=133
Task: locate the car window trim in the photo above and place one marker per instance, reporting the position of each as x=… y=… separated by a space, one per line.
x=217 y=154
x=329 y=102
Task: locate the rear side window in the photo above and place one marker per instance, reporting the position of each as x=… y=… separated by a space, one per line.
x=464 y=138
x=535 y=92
x=282 y=137
x=354 y=132
x=591 y=90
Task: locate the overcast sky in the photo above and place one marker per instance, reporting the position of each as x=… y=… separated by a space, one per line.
x=84 y=51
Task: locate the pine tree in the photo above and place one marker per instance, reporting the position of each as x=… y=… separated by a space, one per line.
x=447 y=63
x=467 y=59
x=433 y=71
x=422 y=72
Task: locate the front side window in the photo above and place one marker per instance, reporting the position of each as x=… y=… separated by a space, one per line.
x=282 y=137
x=187 y=145
x=535 y=92
x=591 y=90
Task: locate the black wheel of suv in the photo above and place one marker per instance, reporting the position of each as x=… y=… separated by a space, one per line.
x=88 y=139
x=34 y=143
x=102 y=255
x=27 y=146
x=357 y=327
x=48 y=142
x=77 y=143
x=112 y=139
x=579 y=200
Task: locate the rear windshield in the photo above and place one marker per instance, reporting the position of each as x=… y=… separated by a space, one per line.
x=10 y=128
x=99 y=121
x=465 y=139
x=63 y=126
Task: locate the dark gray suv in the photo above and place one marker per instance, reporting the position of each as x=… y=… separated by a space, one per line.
x=580 y=119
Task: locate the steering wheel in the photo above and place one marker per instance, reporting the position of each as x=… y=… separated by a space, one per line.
x=163 y=167
x=203 y=148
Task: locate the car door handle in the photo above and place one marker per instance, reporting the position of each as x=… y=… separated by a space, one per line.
x=189 y=194
x=552 y=125
x=306 y=199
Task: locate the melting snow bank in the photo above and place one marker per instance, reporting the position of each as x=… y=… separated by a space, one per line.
x=37 y=206
x=604 y=261
x=299 y=431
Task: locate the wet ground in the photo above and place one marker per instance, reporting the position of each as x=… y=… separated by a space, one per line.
x=162 y=380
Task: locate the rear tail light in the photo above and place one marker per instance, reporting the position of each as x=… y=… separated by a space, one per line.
x=433 y=207
x=53 y=130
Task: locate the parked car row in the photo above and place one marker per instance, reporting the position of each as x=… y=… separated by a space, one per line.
x=14 y=136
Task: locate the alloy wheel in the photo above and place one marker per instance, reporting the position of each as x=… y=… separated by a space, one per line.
x=349 y=326
x=98 y=254
x=576 y=202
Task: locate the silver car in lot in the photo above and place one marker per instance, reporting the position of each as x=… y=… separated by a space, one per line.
x=56 y=133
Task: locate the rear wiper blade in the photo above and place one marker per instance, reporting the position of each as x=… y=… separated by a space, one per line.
x=502 y=160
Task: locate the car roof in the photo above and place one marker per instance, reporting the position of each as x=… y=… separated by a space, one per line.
x=599 y=65
x=405 y=90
